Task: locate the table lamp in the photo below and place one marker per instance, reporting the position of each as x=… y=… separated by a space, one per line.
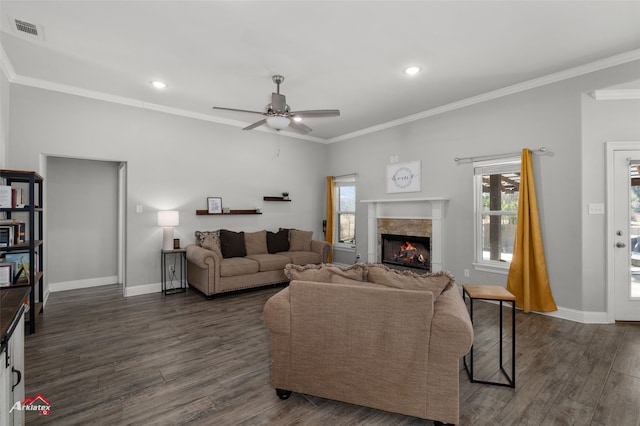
x=168 y=219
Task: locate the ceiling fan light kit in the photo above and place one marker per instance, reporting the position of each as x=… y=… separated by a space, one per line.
x=279 y=115
x=278 y=122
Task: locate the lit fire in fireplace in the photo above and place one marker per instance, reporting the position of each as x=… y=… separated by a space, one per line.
x=409 y=254
x=411 y=251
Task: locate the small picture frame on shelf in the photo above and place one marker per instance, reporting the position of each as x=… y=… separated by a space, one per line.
x=214 y=205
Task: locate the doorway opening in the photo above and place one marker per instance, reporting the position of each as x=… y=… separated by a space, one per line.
x=85 y=222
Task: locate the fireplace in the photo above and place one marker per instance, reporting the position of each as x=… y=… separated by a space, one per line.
x=406 y=250
x=407 y=216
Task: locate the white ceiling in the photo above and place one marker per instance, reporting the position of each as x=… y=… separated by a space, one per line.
x=348 y=55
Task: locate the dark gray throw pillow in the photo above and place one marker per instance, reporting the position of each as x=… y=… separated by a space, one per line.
x=278 y=241
x=232 y=244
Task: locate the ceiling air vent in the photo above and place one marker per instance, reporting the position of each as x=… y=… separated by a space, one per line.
x=28 y=29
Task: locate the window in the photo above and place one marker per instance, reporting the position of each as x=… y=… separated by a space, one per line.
x=497 y=187
x=345 y=217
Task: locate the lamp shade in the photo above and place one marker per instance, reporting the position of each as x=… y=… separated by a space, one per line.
x=168 y=219
x=278 y=122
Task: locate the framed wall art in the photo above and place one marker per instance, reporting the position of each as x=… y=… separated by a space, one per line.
x=404 y=177
x=214 y=205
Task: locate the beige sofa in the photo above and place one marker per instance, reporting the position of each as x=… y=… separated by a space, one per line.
x=222 y=261
x=370 y=336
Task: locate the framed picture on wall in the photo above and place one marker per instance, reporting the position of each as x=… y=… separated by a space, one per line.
x=214 y=204
x=404 y=177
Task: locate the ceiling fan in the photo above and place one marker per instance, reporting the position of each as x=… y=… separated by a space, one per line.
x=279 y=116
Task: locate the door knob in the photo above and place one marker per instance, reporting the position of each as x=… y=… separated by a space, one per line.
x=620 y=245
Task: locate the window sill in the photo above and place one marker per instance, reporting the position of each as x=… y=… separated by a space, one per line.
x=344 y=247
x=494 y=268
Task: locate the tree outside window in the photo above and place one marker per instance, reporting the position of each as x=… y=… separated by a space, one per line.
x=346 y=212
x=497 y=192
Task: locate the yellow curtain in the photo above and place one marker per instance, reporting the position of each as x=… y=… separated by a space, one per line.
x=528 y=279
x=330 y=209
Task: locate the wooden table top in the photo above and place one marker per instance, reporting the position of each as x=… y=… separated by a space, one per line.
x=488 y=292
x=11 y=301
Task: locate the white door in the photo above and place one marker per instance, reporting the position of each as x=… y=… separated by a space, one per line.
x=626 y=235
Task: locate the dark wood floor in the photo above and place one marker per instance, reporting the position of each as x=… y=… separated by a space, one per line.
x=103 y=359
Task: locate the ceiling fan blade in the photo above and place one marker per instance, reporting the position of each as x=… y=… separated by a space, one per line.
x=256 y=124
x=239 y=110
x=278 y=102
x=304 y=129
x=316 y=113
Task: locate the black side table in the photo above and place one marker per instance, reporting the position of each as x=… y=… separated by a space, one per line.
x=496 y=293
x=172 y=282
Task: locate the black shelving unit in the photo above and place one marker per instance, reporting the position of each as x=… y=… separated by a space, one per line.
x=34 y=238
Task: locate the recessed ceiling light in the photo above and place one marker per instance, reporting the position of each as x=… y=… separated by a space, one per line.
x=412 y=70
x=297 y=118
x=159 y=84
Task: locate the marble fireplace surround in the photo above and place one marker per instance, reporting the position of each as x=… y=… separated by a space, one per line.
x=407 y=216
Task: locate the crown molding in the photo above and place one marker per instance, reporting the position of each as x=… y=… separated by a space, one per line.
x=6 y=66
x=101 y=96
x=8 y=70
x=612 y=61
x=616 y=95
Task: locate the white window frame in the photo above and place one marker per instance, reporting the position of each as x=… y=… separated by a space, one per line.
x=338 y=182
x=480 y=168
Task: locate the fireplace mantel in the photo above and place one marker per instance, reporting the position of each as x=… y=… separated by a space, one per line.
x=427 y=208
x=407 y=200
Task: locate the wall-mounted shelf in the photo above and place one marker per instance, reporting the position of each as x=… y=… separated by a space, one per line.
x=275 y=199
x=231 y=212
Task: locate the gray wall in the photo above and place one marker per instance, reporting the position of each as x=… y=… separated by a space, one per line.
x=549 y=116
x=173 y=163
x=4 y=119
x=176 y=162
x=82 y=219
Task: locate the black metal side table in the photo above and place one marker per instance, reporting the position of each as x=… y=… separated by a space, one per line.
x=496 y=293
x=172 y=282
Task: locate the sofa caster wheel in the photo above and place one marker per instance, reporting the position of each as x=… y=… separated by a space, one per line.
x=283 y=394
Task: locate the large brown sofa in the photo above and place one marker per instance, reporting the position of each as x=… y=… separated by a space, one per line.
x=370 y=336
x=222 y=260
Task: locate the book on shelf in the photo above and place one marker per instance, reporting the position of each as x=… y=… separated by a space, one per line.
x=11 y=197
x=6 y=196
x=12 y=234
x=6 y=236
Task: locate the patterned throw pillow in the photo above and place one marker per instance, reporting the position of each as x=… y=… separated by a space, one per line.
x=202 y=235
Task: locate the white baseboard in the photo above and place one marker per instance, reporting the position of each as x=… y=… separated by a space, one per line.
x=74 y=285
x=585 y=317
x=137 y=290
